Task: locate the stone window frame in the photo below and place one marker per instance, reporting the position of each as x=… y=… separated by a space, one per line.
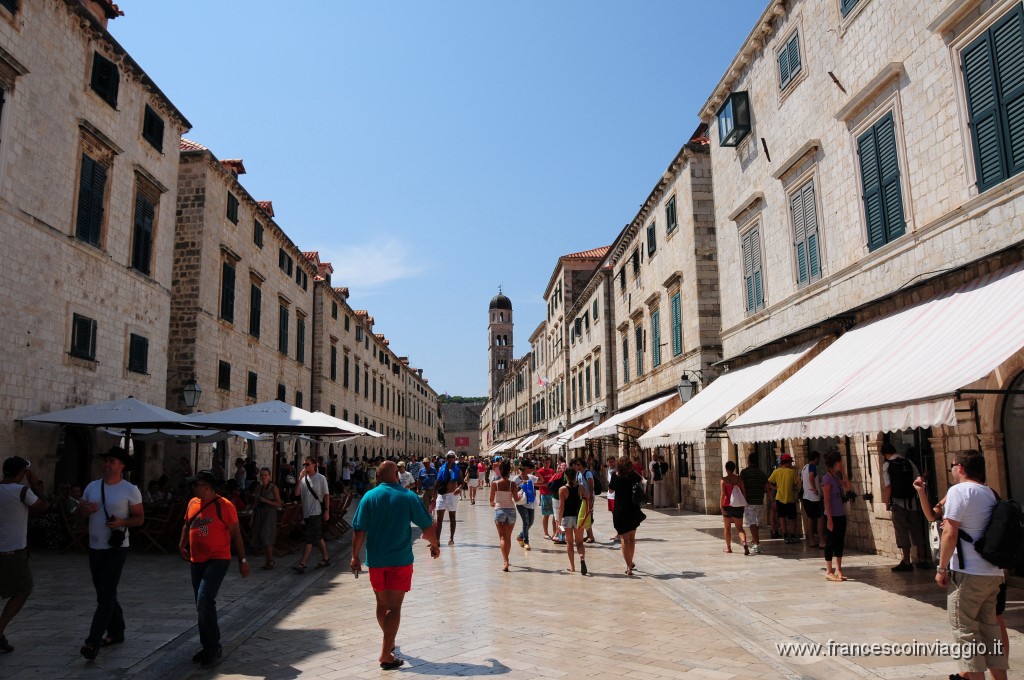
x=137 y=341
x=149 y=189
x=102 y=151
x=671 y=225
x=79 y=323
x=223 y=375
x=784 y=90
x=794 y=184
x=753 y=224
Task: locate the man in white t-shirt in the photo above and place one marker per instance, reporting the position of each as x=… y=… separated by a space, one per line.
x=16 y=499
x=405 y=477
x=814 y=509
x=316 y=509
x=973 y=582
x=113 y=505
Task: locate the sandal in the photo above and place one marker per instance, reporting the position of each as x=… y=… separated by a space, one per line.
x=89 y=652
x=299 y=568
x=108 y=641
x=832 y=577
x=727 y=550
x=268 y=566
x=391 y=665
x=322 y=563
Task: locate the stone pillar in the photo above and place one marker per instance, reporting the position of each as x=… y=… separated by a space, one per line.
x=993 y=446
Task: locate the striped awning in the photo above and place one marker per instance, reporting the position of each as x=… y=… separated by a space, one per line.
x=527 y=443
x=900 y=371
x=553 y=444
x=611 y=426
x=690 y=422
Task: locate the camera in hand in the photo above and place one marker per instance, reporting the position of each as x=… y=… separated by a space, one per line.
x=116 y=539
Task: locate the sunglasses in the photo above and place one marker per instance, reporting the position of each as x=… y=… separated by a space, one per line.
x=954 y=466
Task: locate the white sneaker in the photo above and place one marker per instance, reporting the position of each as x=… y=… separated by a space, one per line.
x=755 y=549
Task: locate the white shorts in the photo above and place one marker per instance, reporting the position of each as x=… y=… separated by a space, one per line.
x=447 y=501
x=473 y=482
x=753 y=515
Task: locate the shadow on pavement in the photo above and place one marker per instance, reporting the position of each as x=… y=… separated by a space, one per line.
x=453 y=668
x=252 y=657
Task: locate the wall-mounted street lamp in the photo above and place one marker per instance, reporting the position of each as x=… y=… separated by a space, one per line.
x=561 y=426
x=598 y=412
x=688 y=384
x=191 y=393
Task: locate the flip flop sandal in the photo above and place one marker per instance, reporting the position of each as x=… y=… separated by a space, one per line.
x=323 y=563
x=107 y=642
x=268 y=566
x=391 y=665
x=299 y=568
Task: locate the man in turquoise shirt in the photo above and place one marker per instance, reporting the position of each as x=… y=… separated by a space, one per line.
x=382 y=521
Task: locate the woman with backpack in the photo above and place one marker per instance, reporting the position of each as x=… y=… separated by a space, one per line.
x=504 y=494
x=734 y=502
x=626 y=513
x=527 y=504
x=571 y=499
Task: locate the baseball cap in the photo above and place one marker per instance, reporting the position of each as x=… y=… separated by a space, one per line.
x=14 y=465
x=786 y=458
x=888 y=449
x=205 y=477
x=450 y=454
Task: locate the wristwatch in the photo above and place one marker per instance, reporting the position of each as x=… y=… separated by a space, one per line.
x=243 y=561
x=941 y=570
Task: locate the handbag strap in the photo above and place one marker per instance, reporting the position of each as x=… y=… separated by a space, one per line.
x=192 y=519
x=310 y=487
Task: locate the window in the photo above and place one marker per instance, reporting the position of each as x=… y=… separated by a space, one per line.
x=357 y=378
x=83 y=337
x=92 y=185
x=250 y=386
x=105 y=77
x=282 y=392
x=597 y=378
x=622 y=278
x=298 y=399
x=142 y=231
x=334 y=363
x=282 y=329
x=153 y=128
x=846 y=5
x=344 y=371
x=586 y=374
x=789 y=61
x=652 y=242
x=284 y=261
x=734 y=119
x=805 y=234
x=880 y=177
x=994 y=85
x=223 y=375
x=577 y=326
x=334 y=310
x=752 y=270
x=227 y=292
x=346 y=323
x=359 y=333
x=10 y=5
x=255 y=309
x=302 y=278
x=138 y=354
x=636 y=262
x=625 y=359
x=677 y=325
x=655 y=338
x=572 y=390
x=257 y=233
x=594 y=310
x=375 y=389
x=638 y=333
x=232 y=212
x=300 y=339
x=670 y=215
x=366 y=383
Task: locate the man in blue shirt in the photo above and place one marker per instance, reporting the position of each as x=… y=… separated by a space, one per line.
x=449 y=480
x=382 y=521
x=426 y=479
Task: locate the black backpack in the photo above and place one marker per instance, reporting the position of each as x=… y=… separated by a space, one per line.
x=639 y=493
x=1002 y=544
x=901 y=478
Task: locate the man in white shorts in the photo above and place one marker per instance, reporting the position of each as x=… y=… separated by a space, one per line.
x=754 y=481
x=449 y=481
x=472 y=480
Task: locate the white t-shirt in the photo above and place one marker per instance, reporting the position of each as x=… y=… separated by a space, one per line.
x=971 y=504
x=811 y=492
x=14 y=514
x=517 y=479
x=120 y=498
x=311 y=506
x=406 y=479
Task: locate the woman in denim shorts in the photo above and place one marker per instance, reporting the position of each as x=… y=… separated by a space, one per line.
x=504 y=495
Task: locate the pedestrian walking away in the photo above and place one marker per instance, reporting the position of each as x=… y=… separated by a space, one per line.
x=754 y=483
x=472 y=479
x=316 y=509
x=972 y=582
x=626 y=513
x=504 y=494
x=572 y=499
x=734 y=503
x=547 y=509
x=211 y=526
x=810 y=489
x=449 y=481
x=588 y=485
x=113 y=506
x=267 y=500
x=526 y=506
x=898 y=475
x=16 y=501
x=382 y=524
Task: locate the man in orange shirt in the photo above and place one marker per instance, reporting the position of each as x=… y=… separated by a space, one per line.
x=211 y=524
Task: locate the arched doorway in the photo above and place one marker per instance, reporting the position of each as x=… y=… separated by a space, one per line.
x=1013 y=432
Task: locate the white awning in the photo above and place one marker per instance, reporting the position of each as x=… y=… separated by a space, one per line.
x=505 y=445
x=553 y=444
x=611 y=426
x=900 y=371
x=525 y=445
x=690 y=422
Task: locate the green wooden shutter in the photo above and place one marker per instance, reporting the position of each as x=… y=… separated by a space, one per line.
x=755 y=248
x=91 y=185
x=638 y=333
x=880 y=177
x=255 y=309
x=625 y=359
x=811 y=232
x=300 y=341
x=785 y=73
x=677 y=325
x=847 y=5
x=748 y=268
x=656 y=338
x=282 y=330
x=227 y=292
x=1008 y=44
x=652 y=243
x=794 y=54
x=138 y=353
x=871 y=187
x=796 y=206
x=142 y=239
x=983 y=107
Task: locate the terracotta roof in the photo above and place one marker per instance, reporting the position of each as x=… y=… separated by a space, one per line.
x=266 y=206
x=311 y=255
x=362 y=312
x=342 y=291
x=189 y=145
x=593 y=253
x=110 y=9
x=234 y=165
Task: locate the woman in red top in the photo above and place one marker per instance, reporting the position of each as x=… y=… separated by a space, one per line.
x=733 y=506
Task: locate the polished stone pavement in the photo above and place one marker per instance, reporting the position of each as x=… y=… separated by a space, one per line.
x=692 y=612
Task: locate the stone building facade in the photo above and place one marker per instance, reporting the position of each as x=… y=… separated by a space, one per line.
x=857 y=172
x=462 y=427
x=88 y=175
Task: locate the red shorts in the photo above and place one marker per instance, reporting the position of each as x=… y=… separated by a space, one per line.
x=391 y=578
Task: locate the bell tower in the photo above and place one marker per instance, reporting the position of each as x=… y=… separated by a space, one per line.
x=499 y=337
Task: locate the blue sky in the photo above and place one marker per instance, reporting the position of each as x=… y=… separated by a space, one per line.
x=433 y=151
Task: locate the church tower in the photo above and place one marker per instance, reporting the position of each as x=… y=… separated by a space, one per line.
x=499 y=335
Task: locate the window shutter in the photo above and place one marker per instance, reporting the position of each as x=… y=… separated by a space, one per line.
x=811 y=232
x=625 y=359
x=871 y=186
x=138 y=354
x=255 y=310
x=677 y=325
x=282 y=330
x=656 y=339
x=652 y=243
x=793 y=48
x=1008 y=42
x=300 y=341
x=983 y=105
x=847 y=5
x=784 y=70
x=91 y=186
x=142 y=242
x=889 y=169
x=224 y=375
x=638 y=339
x=748 y=272
x=799 y=237
x=227 y=292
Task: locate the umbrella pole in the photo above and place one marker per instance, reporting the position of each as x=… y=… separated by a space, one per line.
x=273 y=457
x=195 y=465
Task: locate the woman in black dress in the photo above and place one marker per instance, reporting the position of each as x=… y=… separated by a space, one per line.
x=626 y=515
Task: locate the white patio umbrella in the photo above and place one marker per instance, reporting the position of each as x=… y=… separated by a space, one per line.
x=360 y=431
